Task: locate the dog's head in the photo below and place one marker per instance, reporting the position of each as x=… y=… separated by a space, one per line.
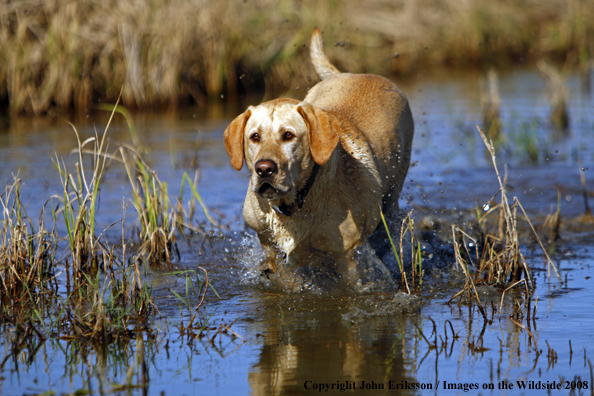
x=280 y=140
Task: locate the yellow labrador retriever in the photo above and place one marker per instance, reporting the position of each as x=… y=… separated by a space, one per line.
x=322 y=169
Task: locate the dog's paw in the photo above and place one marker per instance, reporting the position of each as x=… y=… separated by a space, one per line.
x=267 y=272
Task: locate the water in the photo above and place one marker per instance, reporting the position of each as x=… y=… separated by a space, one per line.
x=297 y=344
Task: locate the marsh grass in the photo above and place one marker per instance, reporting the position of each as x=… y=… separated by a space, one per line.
x=157 y=217
x=69 y=286
x=27 y=261
x=95 y=292
x=198 y=325
x=67 y=54
x=407 y=227
x=528 y=142
x=43 y=298
x=195 y=197
x=493 y=257
x=80 y=199
x=127 y=116
x=108 y=306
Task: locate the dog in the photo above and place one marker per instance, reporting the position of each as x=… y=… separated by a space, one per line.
x=322 y=170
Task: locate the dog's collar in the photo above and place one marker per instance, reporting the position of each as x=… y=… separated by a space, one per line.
x=285 y=209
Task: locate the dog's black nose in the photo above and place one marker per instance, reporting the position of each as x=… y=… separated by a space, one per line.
x=265 y=168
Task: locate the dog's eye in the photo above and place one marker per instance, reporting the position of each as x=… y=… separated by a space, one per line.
x=288 y=136
x=255 y=137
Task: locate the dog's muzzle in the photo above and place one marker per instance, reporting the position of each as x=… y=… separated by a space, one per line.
x=266 y=169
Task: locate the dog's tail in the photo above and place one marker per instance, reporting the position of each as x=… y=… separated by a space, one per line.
x=322 y=65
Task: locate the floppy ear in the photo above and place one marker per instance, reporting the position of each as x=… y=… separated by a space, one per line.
x=322 y=130
x=233 y=136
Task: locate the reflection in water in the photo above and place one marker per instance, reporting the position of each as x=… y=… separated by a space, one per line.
x=36 y=365
x=341 y=356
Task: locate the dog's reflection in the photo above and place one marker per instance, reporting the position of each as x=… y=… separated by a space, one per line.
x=326 y=352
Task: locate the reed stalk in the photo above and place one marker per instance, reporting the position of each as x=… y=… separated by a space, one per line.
x=407 y=227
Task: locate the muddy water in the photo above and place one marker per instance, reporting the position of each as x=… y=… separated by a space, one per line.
x=302 y=344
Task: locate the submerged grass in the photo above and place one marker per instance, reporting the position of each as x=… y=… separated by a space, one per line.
x=63 y=54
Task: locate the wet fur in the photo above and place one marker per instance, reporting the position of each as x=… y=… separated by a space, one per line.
x=359 y=128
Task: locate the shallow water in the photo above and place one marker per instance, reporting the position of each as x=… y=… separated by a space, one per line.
x=297 y=344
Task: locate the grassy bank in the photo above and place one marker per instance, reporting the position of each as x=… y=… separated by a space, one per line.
x=57 y=55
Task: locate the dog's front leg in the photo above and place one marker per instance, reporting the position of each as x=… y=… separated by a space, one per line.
x=271 y=255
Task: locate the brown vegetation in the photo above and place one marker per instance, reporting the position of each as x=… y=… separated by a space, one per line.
x=95 y=291
x=63 y=54
x=498 y=260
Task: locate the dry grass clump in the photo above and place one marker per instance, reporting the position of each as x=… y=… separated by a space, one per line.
x=59 y=54
x=497 y=259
